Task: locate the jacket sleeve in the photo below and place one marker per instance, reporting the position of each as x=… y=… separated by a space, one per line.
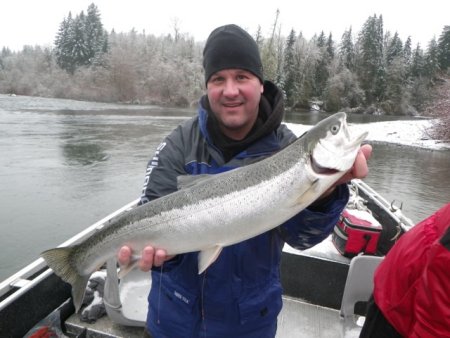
x=432 y=302
x=164 y=168
x=315 y=223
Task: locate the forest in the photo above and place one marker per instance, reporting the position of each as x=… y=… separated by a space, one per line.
x=369 y=71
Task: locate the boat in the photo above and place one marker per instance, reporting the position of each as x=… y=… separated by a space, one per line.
x=321 y=287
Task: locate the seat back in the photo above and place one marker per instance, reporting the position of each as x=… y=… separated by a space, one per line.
x=358 y=288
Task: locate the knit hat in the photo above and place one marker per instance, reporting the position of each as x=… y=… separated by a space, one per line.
x=229 y=47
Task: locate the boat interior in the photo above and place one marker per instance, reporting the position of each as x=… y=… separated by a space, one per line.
x=325 y=293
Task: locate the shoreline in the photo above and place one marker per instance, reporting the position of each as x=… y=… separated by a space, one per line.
x=403 y=133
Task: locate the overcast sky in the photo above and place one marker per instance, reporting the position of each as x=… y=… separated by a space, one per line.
x=36 y=22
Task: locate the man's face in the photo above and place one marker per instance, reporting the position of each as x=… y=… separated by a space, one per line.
x=234 y=96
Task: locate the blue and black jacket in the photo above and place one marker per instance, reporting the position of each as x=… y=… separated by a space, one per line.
x=239 y=295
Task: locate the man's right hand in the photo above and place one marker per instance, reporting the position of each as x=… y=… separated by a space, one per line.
x=150 y=257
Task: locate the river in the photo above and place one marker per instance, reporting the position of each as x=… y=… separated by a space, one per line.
x=65 y=164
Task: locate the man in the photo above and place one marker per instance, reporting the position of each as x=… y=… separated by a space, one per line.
x=238 y=122
x=411 y=295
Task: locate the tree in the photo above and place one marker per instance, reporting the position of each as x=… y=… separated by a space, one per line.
x=80 y=41
x=79 y=51
x=444 y=49
x=407 y=51
x=432 y=59
x=394 y=49
x=370 y=65
x=289 y=69
x=96 y=38
x=63 y=47
x=347 y=50
x=269 y=52
x=418 y=63
x=342 y=91
x=326 y=53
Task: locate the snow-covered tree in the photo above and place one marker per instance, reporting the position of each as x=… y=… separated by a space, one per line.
x=80 y=41
x=432 y=59
x=444 y=48
x=370 y=69
x=347 y=50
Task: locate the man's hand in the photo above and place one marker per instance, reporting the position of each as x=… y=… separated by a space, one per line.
x=150 y=257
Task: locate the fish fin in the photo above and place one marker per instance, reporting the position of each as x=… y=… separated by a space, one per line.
x=125 y=269
x=207 y=257
x=78 y=291
x=60 y=261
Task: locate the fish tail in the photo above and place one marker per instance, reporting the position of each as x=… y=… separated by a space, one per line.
x=60 y=261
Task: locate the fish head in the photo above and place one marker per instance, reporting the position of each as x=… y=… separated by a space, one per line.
x=332 y=148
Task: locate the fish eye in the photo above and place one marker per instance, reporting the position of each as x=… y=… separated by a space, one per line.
x=335 y=128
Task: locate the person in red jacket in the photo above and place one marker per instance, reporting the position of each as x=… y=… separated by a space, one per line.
x=411 y=296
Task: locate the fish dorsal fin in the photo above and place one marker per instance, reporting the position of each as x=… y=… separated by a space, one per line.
x=207 y=257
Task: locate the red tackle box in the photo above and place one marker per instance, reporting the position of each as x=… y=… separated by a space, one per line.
x=356 y=231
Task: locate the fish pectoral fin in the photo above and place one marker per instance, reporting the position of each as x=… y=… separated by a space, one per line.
x=207 y=257
x=125 y=269
x=78 y=291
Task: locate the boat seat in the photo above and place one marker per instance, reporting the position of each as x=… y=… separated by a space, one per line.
x=126 y=302
x=358 y=288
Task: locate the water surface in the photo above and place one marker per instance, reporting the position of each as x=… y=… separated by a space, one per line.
x=66 y=164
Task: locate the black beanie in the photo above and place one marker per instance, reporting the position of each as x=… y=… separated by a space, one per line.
x=229 y=47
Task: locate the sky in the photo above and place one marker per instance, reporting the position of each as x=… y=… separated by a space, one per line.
x=36 y=22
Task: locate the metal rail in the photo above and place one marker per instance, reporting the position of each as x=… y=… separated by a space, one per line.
x=25 y=279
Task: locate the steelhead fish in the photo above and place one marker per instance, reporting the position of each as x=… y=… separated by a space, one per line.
x=219 y=210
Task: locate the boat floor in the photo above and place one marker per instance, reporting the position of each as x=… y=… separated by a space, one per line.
x=297 y=319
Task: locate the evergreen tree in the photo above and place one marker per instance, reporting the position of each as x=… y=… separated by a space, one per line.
x=394 y=49
x=370 y=64
x=321 y=40
x=432 y=59
x=347 y=50
x=289 y=69
x=95 y=37
x=407 y=51
x=80 y=41
x=63 y=48
x=79 y=52
x=395 y=93
x=326 y=52
x=6 y=52
x=408 y=57
x=444 y=49
x=330 y=47
x=418 y=63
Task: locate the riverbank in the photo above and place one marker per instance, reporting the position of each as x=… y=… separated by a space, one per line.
x=412 y=133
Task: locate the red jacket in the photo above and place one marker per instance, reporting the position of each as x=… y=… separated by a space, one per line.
x=412 y=284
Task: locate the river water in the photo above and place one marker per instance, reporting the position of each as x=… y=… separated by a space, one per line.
x=66 y=164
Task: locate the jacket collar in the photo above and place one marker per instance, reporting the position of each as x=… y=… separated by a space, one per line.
x=271 y=111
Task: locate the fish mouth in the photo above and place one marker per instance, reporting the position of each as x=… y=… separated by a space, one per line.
x=321 y=170
x=358 y=140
